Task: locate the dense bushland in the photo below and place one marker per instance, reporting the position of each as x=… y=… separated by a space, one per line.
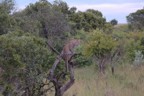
x=27 y=36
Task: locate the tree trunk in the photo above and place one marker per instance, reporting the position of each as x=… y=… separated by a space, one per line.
x=60 y=89
x=112 y=69
x=58 y=92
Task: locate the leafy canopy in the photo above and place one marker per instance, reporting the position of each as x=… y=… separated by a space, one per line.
x=24 y=58
x=6 y=21
x=136 y=20
x=99 y=44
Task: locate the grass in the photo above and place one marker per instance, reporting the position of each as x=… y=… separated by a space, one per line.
x=121 y=28
x=127 y=81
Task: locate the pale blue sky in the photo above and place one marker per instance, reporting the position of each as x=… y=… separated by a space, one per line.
x=111 y=9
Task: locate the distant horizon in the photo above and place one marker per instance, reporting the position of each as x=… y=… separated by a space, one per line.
x=110 y=9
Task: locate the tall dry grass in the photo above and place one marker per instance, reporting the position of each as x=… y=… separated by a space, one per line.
x=127 y=81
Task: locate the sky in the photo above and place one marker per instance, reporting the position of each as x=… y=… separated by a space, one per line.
x=111 y=9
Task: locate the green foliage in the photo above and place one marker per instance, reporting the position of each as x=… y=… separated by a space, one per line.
x=61 y=6
x=133 y=44
x=43 y=19
x=136 y=20
x=99 y=44
x=81 y=60
x=142 y=44
x=6 y=21
x=25 y=60
x=131 y=41
x=114 y=22
x=7 y=5
x=88 y=20
x=72 y=10
x=108 y=28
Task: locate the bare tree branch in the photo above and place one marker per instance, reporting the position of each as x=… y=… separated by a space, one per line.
x=52 y=48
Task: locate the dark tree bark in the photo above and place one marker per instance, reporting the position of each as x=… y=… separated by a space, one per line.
x=67 y=54
x=112 y=69
x=59 y=88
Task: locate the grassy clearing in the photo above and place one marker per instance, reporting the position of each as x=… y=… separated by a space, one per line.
x=127 y=81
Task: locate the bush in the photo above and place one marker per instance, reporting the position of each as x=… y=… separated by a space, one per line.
x=25 y=60
x=81 y=60
x=101 y=47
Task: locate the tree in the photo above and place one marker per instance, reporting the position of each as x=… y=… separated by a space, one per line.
x=136 y=20
x=42 y=19
x=72 y=10
x=108 y=28
x=6 y=20
x=25 y=61
x=134 y=45
x=101 y=47
x=61 y=6
x=114 y=22
x=88 y=20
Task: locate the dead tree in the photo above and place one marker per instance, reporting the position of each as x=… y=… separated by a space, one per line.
x=59 y=88
x=67 y=54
